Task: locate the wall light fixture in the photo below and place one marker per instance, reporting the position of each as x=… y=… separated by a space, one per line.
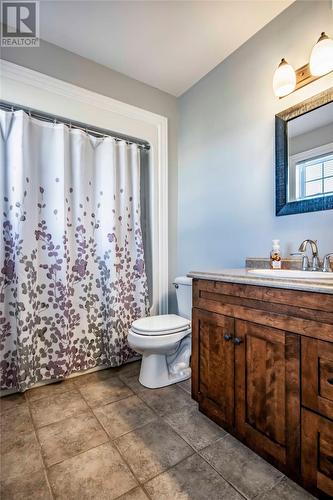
x=284 y=79
x=321 y=59
x=287 y=80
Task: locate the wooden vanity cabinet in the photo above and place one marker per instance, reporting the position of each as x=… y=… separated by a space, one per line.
x=317 y=376
x=216 y=365
x=317 y=415
x=317 y=453
x=258 y=372
x=267 y=408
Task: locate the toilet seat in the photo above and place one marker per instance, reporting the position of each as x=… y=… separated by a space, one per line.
x=156 y=341
x=165 y=324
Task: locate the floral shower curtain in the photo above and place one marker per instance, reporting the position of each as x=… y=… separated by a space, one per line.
x=72 y=261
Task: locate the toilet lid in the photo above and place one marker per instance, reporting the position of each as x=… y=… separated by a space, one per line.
x=160 y=325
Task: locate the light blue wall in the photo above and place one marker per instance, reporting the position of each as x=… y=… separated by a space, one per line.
x=226 y=151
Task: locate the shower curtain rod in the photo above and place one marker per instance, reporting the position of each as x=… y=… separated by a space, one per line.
x=97 y=132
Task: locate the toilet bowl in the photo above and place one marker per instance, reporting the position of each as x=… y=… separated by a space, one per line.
x=165 y=341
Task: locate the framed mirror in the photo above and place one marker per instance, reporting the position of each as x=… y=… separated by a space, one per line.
x=304 y=156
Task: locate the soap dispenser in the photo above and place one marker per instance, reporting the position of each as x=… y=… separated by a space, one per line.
x=276 y=255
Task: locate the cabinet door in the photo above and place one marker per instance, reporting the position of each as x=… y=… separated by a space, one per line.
x=317 y=376
x=317 y=453
x=213 y=365
x=267 y=398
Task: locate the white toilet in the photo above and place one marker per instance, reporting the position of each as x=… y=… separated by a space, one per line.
x=165 y=341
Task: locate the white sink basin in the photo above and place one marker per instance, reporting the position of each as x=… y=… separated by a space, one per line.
x=291 y=274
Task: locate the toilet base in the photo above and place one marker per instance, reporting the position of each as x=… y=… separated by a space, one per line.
x=154 y=372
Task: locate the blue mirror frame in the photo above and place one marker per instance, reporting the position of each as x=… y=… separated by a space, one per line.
x=282 y=206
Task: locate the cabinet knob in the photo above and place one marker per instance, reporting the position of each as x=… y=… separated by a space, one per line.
x=330 y=381
x=237 y=341
x=227 y=337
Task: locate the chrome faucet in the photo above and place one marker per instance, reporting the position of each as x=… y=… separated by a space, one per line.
x=315 y=259
x=327 y=263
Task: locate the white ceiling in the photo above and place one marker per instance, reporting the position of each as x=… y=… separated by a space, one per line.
x=167 y=44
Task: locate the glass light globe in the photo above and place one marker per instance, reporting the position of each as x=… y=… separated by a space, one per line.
x=321 y=60
x=284 y=79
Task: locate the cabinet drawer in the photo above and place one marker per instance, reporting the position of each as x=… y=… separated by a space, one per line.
x=317 y=453
x=289 y=310
x=281 y=301
x=317 y=376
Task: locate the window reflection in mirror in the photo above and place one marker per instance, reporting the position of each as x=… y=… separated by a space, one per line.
x=310 y=154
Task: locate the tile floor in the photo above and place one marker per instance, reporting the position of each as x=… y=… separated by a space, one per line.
x=104 y=436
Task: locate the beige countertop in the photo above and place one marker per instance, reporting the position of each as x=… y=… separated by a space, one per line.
x=246 y=278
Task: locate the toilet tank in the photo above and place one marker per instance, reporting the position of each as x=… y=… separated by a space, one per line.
x=183 y=286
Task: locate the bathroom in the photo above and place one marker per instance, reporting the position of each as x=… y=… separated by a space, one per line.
x=180 y=354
